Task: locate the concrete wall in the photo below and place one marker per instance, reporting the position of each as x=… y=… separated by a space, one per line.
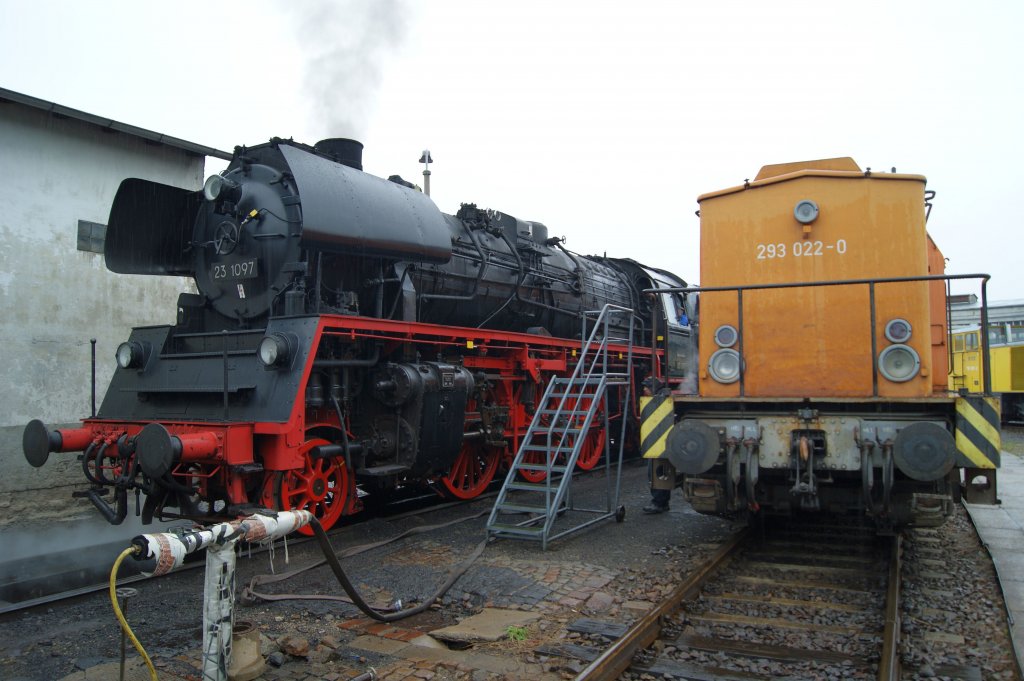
x=53 y=297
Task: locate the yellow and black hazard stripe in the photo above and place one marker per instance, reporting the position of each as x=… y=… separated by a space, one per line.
x=656 y=417
x=977 y=432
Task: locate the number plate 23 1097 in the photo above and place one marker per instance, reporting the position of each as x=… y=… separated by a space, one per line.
x=230 y=271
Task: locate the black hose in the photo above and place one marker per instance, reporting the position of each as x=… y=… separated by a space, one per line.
x=332 y=560
x=91 y=455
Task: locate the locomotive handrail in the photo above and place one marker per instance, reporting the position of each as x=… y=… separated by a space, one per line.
x=870 y=283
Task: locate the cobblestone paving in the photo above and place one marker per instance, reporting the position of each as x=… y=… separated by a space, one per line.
x=611 y=571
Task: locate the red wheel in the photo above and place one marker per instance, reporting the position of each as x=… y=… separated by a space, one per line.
x=322 y=487
x=472 y=471
x=593 y=448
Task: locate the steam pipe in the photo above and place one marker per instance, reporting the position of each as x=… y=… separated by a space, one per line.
x=113 y=517
x=166 y=551
x=519 y=282
x=484 y=262
x=338 y=363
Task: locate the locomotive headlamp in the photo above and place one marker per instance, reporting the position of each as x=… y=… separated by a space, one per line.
x=725 y=336
x=805 y=212
x=274 y=350
x=724 y=365
x=898 y=330
x=218 y=187
x=130 y=355
x=899 y=363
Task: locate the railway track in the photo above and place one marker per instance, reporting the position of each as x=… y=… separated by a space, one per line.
x=807 y=601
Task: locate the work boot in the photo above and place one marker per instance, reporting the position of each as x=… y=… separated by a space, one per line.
x=652 y=508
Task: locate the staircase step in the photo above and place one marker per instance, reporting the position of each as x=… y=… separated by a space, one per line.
x=577 y=381
x=555 y=432
x=579 y=413
x=502 y=528
x=522 y=508
x=540 y=467
x=534 y=486
x=545 y=448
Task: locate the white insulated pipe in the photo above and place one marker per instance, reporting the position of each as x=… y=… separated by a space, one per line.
x=168 y=551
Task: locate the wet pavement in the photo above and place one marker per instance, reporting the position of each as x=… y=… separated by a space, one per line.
x=1001 y=529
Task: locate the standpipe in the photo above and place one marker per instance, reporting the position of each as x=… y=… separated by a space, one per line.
x=163 y=552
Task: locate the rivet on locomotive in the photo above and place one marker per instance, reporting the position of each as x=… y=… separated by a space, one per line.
x=824 y=354
x=345 y=333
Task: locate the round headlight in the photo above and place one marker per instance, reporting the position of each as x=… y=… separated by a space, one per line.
x=724 y=366
x=219 y=187
x=898 y=330
x=805 y=212
x=213 y=186
x=273 y=350
x=725 y=336
x=899 y=363
x=129 y=355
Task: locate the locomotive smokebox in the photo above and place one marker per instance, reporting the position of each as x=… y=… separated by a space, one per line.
x=345 y=151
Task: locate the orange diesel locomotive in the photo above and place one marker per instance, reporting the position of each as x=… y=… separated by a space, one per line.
x=822 y=377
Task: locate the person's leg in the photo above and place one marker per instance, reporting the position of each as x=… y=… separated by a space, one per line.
x=663 y=479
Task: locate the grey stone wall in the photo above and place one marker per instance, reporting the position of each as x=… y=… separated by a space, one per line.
x=53 y=297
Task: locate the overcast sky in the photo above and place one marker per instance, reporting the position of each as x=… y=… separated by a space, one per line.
x=604 y=120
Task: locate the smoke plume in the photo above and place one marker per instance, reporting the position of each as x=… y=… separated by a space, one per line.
x=346 y=46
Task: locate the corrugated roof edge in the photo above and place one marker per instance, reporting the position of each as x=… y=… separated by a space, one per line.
x=109 y=124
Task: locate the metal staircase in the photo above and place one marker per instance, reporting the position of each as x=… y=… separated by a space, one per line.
x=560 y=430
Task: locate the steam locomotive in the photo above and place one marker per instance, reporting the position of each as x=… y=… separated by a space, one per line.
x=345 y=333
x=822 y=380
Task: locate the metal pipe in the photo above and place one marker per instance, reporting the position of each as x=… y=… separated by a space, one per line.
x=218 y=610
x=485 y=261
x=813 y=284
x=224 y=350
x=949 y=329
x=166 y=551
x=340 y=363
x=92 y=342
x=874 y=341
x=739 y=332
x=124 y=593
x=987 y=374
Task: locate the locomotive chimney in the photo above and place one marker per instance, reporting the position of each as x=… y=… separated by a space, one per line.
x=343 y=150
x=426 y=161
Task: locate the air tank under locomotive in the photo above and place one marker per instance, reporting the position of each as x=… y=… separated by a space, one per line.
x=331 y=337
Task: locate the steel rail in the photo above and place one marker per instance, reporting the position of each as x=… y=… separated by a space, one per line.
x=889 y=665
x=618 y=657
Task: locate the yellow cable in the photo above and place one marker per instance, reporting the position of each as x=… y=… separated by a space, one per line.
x=120 y=616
